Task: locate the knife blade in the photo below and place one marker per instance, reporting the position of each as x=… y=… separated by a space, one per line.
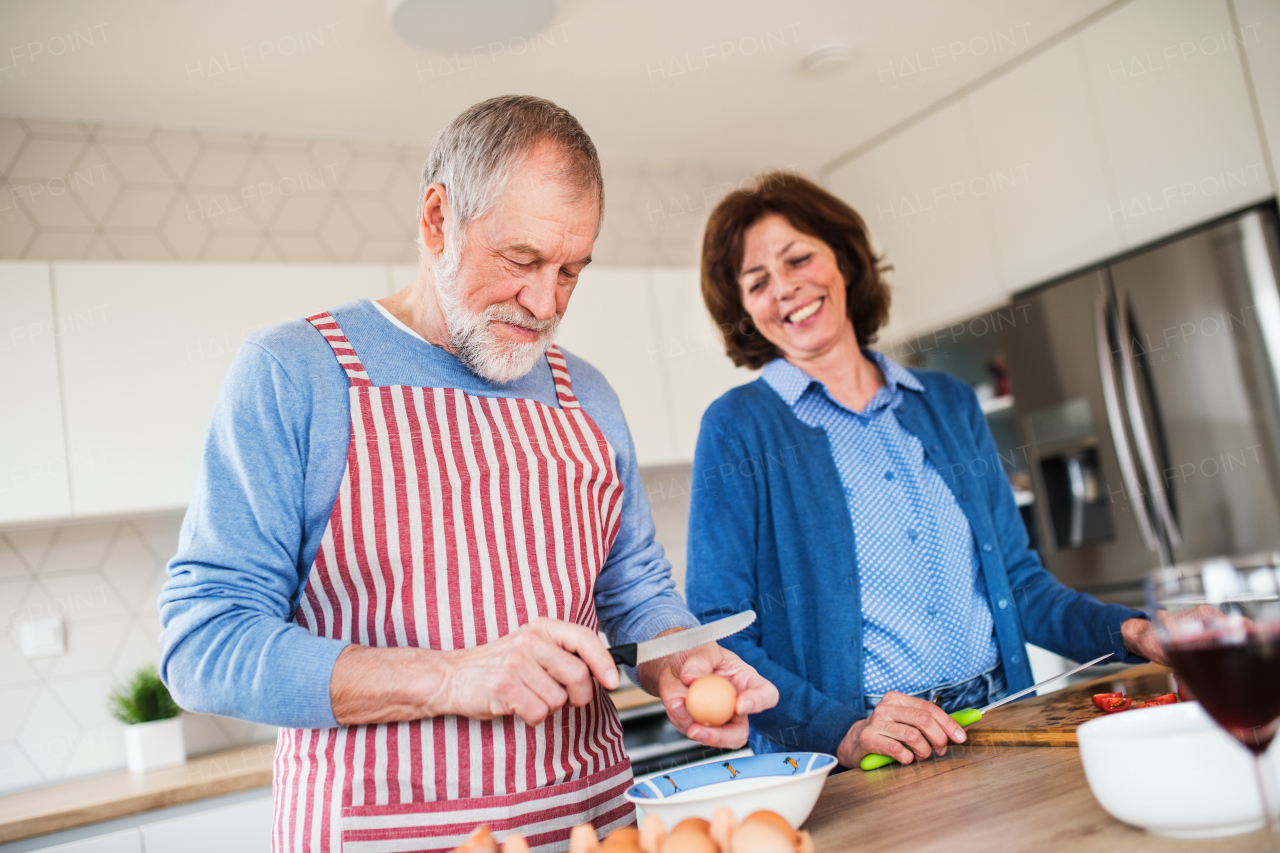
x=969 y=716
x=631 y=654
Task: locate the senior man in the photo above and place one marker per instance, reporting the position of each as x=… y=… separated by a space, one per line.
x=413 y=515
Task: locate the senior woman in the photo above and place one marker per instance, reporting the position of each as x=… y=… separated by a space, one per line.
x=859 y=507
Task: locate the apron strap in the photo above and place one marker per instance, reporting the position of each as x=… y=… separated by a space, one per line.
x=560 y=373
x=342 y=348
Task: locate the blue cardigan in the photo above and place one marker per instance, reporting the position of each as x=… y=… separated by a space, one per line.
x=769 y=529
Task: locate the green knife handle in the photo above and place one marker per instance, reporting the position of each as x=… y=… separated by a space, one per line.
x=965 y=717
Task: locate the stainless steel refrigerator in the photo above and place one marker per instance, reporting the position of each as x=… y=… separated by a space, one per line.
x=1147 y=396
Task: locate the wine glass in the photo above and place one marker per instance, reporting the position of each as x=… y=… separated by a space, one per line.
x=1219 y=623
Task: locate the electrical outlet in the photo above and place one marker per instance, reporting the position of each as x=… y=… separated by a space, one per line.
x=42 y=638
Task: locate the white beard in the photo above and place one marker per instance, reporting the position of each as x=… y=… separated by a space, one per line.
x=473 y=337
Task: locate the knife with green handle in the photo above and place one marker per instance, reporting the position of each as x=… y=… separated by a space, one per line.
x=969 y=716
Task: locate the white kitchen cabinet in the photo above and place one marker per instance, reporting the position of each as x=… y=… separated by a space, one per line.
x=611 y=323
x=1175 y=113
x=33 y=465
x=141 y=380
x=1041 y=148
x=124 y=841
x=924 y=198
x=1259 y=29
x=244 y=827
x=691 y=349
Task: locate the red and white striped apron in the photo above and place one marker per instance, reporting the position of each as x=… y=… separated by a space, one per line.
x=459 y=519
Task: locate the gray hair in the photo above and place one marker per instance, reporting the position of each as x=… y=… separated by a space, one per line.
x=475 y=155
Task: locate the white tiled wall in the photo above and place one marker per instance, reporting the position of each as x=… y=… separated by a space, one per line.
x=103 y=580
x=81 y=190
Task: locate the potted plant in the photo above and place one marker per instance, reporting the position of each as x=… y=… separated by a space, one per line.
x=153 y=729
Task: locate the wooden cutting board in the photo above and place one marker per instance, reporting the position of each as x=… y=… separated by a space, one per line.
x=1052 y=720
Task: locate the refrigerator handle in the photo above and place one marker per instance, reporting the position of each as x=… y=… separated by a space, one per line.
x=1138 y=423
x=1128 y=473
x=1075 y=476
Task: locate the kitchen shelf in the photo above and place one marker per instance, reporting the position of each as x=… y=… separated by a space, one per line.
x=991 y=405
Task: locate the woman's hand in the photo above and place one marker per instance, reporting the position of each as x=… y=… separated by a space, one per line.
x=1140 y=639
x=902 y=727
x=669 y=678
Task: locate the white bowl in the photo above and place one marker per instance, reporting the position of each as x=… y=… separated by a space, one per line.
x=1172 y=771
x=785 y=782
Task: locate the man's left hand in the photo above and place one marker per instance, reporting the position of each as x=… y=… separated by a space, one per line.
x=669 y=679
x=1140 y=638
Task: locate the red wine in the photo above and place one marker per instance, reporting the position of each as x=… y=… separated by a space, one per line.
x=1237 y=682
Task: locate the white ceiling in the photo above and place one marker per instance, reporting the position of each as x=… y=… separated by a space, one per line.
x=615 y=65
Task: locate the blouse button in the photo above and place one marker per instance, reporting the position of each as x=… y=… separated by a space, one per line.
x=888 y=475
x=1003 y=604
x=987 y=547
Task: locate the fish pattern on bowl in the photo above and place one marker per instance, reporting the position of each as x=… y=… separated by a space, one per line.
x=746 y=767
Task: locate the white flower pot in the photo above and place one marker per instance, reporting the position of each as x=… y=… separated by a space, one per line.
x=150 y=746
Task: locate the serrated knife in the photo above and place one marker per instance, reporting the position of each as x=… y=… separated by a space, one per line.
x=632 y=654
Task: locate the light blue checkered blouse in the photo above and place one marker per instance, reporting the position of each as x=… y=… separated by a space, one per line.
x=925 y=617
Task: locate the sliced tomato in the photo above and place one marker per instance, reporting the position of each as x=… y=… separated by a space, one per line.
x=1166 y=699
x=1118 y=704
x=1103 y=700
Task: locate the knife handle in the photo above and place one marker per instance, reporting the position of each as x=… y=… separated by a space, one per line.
x=965 y=717
x=626 y=654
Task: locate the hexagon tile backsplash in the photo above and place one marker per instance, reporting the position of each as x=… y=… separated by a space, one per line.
x=103 y=580
x=79 y=190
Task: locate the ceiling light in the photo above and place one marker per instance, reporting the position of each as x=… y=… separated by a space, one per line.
x=451 y=26
x=828 y=59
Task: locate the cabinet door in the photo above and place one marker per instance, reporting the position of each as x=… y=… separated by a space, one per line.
x=924 y=198
x=1041 y=151
x=692 y=351
x=1260 y=31
x=33 y=465
x=141 y=379
x=244 y=827
x=610 y=322
x=1176 y=116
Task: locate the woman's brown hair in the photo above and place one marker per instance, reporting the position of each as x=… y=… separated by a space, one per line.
x=810 y=209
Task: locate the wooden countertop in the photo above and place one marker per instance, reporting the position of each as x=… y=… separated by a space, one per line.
x=85 y=801
x=985 y=798
x=1001 y=791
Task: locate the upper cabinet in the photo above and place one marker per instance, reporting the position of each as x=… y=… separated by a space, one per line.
x=141 y=376
x=1135 y=128
x=923 y=195
x=1040 y=145
x=33 y=462
x=1178 y=125
x=691 y=351
x=611 y=323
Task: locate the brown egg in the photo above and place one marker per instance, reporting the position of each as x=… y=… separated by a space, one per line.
x=689 y=840
x=652 y=834
x=622 y=840
x=760 y=837
x=515 y=843
x=723 y=823
x=583 y=839
x=480 y=841
x=775 y=820
x=695 y=823
x=711 y=700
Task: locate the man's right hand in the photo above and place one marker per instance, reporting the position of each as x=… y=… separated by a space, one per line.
x=531 y=673
x=902 y=727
